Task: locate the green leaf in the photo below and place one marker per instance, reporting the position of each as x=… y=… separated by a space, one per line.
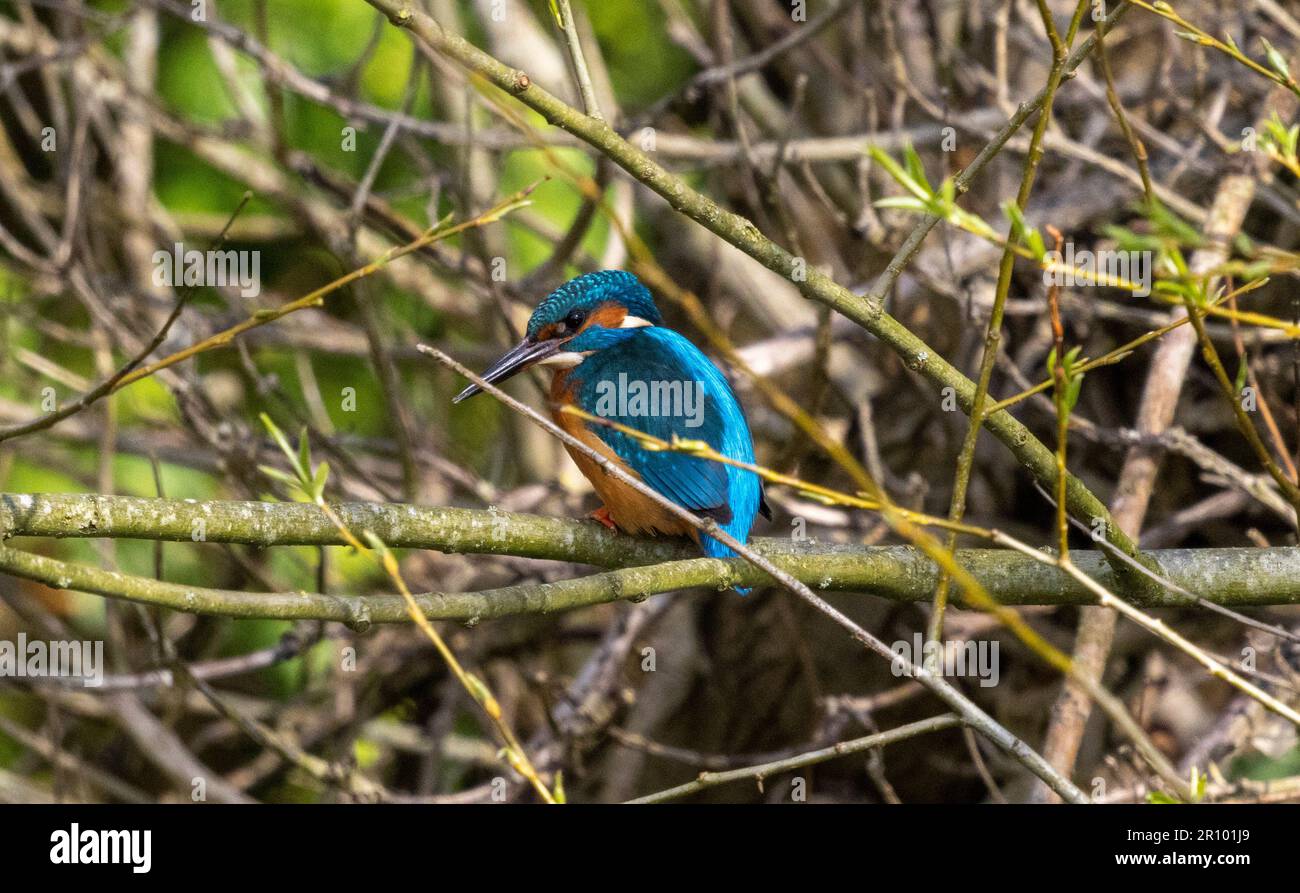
x=1013 y=214
x=896 y=171
x=277 y=435
x=1021 y=231
x=1257 y=270
x=1276 y=59
x=1188 y=35
x=948 y=190
x=278 y=475
x=1178 y=289
x=318 y=480
x=1072 y=391
x=915 y=168
x=1036 y=244
x=972 y=223
x=1073 y=380
x=1167 y=223
x=905 y=202
x=304 y=455
x=1179 y=262
x=1128 y=240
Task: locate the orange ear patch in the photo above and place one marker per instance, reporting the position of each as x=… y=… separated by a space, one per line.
x=610 y=316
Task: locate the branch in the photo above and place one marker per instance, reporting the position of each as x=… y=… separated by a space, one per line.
x=993 y=333
x=1236 y=577
x=811 y=758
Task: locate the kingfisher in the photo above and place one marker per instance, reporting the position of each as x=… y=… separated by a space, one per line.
x=603 y=336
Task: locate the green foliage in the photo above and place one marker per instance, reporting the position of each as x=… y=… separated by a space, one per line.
x=1276 y=60
x=1021 y=232
x=1282 y=143
x=922 y=197
x=1285 y=139
x=644 y=64
x=1073 y=378
x=1255 y=766
x=1197 y=787
x=306 y=482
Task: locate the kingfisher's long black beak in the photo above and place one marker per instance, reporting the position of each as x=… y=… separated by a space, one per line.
x=524 y=354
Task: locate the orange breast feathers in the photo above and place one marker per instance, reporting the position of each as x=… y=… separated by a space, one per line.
x=629 y=509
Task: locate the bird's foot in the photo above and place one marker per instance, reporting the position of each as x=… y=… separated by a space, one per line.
x=602 y=515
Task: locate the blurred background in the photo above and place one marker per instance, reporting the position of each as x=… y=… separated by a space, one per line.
x=130 y=127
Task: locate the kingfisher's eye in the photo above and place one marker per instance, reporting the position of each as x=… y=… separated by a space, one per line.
x=574 y=320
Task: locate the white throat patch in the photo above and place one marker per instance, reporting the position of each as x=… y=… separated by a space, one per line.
x=565 y=359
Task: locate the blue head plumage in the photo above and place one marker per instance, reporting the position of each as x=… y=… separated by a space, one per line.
x=583 y=295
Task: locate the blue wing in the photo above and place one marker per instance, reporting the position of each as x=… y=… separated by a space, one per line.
x=693 y=402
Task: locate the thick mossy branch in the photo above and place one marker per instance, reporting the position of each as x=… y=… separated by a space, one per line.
x=1233 y=577
x=303 y=524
